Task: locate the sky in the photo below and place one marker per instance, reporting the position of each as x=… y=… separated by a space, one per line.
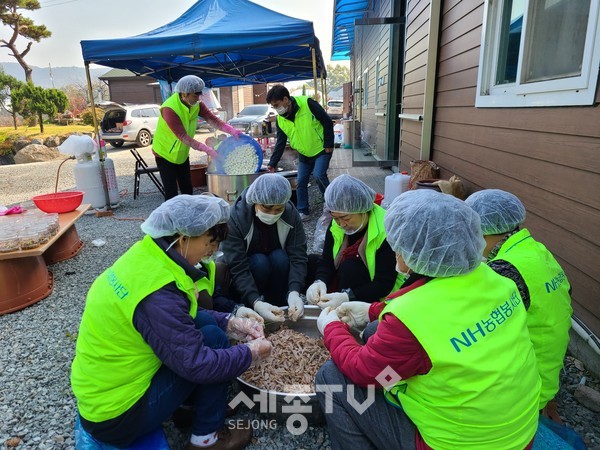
x=71 y=21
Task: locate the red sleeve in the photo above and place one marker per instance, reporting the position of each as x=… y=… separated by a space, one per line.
x=392 y=345
x=215 y=121
x=375 y=309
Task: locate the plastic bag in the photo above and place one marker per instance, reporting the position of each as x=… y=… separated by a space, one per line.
x=556 y=436
x=321 y=228
x=78 y=145
x=84 y=441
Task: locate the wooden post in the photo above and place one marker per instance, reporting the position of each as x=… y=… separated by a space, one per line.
x=96 y=130
x=314 y=61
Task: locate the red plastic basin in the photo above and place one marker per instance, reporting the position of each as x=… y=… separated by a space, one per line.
x=59 y=202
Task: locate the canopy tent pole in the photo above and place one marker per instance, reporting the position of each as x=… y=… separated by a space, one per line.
x=95 y=121
x=314 y=61
x=324 y=91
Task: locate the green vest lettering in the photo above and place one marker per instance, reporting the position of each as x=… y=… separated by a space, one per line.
x=549 y=313
x=113 y=365
x=473 y=327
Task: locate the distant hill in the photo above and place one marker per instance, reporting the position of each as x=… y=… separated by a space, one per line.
x=62 y=76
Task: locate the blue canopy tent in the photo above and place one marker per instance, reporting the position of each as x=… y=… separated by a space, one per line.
x=225 y=42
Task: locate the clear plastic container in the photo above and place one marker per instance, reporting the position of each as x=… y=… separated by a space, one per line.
x=29 y=239
x=42 y=231
x=9 y=242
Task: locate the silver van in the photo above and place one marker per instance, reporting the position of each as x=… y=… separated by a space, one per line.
x=129 y=123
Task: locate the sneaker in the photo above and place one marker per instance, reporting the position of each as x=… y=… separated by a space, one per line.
x=231 y=437
x=304 y=217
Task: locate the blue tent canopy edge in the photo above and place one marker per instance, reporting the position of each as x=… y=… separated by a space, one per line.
x=225 y=42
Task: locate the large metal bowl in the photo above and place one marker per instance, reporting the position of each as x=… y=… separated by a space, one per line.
x=282 y=406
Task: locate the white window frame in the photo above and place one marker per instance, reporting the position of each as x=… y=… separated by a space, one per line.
x=376 y=100
x=580 y=90
x=365 y=78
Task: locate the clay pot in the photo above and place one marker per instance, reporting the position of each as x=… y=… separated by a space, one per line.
x=428 y=184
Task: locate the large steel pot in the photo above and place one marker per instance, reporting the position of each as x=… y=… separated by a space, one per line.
x=282 y=406
x=229 y=187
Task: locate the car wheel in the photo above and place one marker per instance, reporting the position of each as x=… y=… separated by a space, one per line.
x=117 y=144
x=144 y=138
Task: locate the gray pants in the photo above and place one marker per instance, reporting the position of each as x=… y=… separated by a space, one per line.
x=380 y=426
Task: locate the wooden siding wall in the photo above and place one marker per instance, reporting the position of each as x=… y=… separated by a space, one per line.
x=374 y=41
x=415 y=67
x=548 y=157
x=134 y=90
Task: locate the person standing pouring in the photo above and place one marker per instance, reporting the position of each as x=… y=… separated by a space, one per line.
x=175 y=134
x=310 y=132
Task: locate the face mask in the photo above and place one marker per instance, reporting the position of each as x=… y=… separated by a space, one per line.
x=172 y=244
x=268 y=219
x=351 y=232
x=281 y=110
x=406 y=274
x=208 y=259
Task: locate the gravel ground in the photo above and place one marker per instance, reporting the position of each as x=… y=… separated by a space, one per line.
x=37 y=408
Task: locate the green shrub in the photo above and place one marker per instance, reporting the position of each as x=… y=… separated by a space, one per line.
x=86 y=116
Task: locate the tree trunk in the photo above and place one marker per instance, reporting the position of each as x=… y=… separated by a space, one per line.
x=14 y=116
x=28 y=71
x=41 y=119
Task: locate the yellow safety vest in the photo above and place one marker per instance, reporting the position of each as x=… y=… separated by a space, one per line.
x=113 y=365
x=374 y=237
x=549 y=313
x=483 y=387
x=305 y=133
x=165 y=143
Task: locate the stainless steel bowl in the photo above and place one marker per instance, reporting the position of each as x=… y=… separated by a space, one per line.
x=282 y=406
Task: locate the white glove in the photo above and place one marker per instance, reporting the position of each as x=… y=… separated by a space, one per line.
x=295 y=306
x=269 y=312
x=355 y=314
x=315 y=291
x=327 y=316
x=261 y=350
x=333 y=300
x=249 y=313
x=244 y=329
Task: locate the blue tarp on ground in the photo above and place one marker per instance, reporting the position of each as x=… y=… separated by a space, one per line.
x=225 y=42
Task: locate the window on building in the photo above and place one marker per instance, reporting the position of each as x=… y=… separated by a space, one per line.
x=539 y=53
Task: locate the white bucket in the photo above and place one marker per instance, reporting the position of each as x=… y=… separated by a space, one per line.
x=395 y=184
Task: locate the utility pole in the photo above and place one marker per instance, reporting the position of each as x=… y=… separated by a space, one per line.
x=50 y=70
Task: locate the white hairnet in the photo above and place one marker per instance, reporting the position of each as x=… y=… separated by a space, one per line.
x=269 y=189
x=436 y=234
x=189 y=84
x=188 y=215
x=499 y=211
x=347 y=194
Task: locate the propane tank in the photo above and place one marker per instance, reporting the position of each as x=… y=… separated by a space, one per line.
x=111 y=176
x=88 y=179
x=111 y=181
